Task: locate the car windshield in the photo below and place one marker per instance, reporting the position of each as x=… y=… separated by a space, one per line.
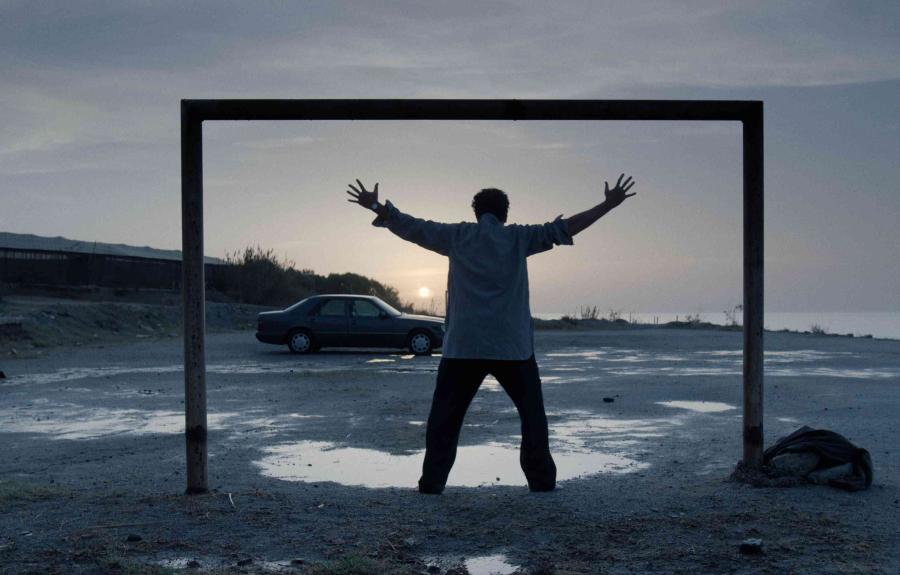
x=296 y=305
x=387 y=307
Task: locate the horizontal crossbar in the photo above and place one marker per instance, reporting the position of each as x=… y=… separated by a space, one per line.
x=715 y=110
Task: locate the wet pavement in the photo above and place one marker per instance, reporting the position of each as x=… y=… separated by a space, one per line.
x=339 y=436
x=124 y=397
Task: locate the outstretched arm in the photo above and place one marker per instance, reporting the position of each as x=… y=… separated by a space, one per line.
x=614 y=197
x=433 y=236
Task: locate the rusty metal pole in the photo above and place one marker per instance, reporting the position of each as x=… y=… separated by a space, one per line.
x=193 y=295
x=753 y=287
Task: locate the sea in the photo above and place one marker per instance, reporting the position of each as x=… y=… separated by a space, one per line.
x=876 y=324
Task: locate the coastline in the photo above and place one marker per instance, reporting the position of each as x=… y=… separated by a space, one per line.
x=571 y=323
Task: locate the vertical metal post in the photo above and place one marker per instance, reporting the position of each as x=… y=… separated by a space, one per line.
x=193 y=295
x=753 y=287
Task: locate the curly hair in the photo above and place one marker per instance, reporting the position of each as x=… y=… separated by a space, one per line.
x=491 y=201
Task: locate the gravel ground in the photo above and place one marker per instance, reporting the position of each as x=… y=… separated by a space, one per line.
x=92 y=472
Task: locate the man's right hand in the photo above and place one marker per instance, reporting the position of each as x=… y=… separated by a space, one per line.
x=618 y=194
x=363 y=197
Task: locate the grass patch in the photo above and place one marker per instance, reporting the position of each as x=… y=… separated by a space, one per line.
x=356 y=565
x=12 y=491
x=140 y=569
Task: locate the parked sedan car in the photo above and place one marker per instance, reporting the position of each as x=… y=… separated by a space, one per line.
x=342 y=320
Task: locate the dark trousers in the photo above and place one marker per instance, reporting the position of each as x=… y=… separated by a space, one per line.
x=457 y=382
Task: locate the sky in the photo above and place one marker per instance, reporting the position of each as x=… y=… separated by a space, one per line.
x=89 y=137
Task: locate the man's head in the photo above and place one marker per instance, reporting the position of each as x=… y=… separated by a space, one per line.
x=491 y=201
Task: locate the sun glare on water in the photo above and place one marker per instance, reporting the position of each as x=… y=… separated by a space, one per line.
x=424 y=292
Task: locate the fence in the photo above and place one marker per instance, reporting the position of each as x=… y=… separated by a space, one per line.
x=59 y=268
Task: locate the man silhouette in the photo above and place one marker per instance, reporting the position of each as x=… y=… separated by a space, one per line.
x=489 y=327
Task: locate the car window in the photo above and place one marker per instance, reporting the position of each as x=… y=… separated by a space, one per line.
x=332 y=308
x=365 y=308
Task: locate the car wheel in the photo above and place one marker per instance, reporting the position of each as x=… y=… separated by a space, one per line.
x=301 y=341
x=420 y=343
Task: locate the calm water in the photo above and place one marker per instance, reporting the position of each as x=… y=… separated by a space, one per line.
x=877 y=324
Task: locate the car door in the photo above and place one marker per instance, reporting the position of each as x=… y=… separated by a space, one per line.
x=329 y=322
x=370 y=326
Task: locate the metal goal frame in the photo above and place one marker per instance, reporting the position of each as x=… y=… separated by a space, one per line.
x=195 y=112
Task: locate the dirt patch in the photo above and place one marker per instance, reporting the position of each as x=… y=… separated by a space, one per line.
x=29 y=325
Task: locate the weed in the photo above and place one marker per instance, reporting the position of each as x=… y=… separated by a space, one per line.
x=731 y=315
x=590 y=312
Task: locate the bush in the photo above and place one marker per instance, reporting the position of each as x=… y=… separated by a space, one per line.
x=257 y=276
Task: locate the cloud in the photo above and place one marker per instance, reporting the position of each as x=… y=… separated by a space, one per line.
x=91 y=92
x=276 y=143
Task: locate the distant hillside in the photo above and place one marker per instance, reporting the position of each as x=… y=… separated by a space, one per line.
x=10 y=240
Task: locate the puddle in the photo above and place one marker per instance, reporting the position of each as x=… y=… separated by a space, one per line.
x=206 y=564
x=68 y=421
x=476 y=465
x=582 y=354
x=77 y=422
x=861 y=373
x=736 y=370
x=720 y=362
x=313 y=365
x=496 y=564
x=567 y=369
x=584 y=433
x=73 y=374
x=186 y=563
x=490 y=383
x=582 y=445
x=699 y=406
x=490 y=565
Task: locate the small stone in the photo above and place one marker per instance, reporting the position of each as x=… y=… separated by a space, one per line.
x=608 y=399
x=193 y=564
x=751 y=546
x=133 y=537
x=433 y=569
x=2 y=375
x=298 y=561
x=244 y=562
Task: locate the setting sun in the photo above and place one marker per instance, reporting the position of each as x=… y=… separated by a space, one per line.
x=424 y=292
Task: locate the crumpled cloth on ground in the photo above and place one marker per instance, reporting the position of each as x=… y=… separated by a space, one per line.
x=820 y=456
